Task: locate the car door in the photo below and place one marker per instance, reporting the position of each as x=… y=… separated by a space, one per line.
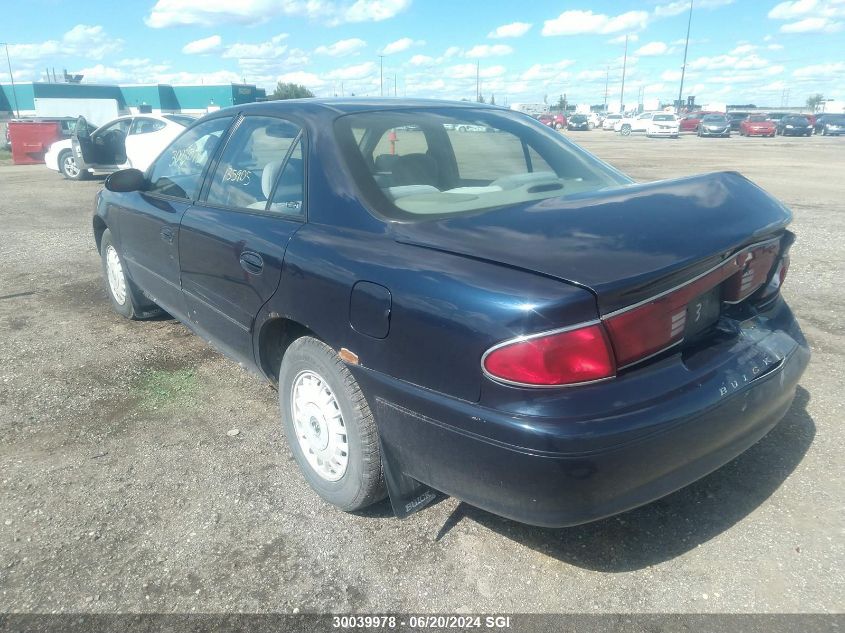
x=232 y=242
x=148 y=223
x=144 y=141
x=641 y=123
x=84 y=152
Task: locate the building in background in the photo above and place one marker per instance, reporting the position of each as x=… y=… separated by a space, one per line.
x=63 y=99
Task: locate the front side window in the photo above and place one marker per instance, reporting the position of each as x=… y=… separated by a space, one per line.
x=252 y=163
x=442 y=161
x=178 y=171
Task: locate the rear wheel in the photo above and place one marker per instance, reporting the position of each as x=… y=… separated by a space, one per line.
x=329 y=426
x=626 y=130
x=69 y=168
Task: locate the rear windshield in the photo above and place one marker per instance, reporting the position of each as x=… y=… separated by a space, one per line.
x=415 y=164
x=834 y=119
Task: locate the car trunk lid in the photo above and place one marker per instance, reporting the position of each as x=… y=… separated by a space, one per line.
x=625 y=244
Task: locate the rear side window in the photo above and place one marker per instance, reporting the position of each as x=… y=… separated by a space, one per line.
x=145 y=126
x=252 y=163
x=178 y=171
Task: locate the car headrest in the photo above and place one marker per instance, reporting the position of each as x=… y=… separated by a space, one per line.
x=415 y=169
x=269 y=176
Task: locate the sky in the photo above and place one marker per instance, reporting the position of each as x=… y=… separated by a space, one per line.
x=740 y=51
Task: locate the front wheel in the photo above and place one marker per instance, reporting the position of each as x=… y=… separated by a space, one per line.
x=125 y=297
x=558 y=126
x=329 y=426
x=69 y=168
x=626 y=130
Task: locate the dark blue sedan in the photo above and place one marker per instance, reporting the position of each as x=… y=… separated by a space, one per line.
x=452 y=297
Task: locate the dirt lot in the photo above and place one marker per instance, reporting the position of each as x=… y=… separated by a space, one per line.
x=120 y=489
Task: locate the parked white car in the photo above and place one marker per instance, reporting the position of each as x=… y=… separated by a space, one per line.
x=637 y=123
x=663 y=124
x=611 y=120
x=127 y=141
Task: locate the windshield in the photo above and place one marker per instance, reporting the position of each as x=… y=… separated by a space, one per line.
x=714 y=118
x=414 y=164
x=758 y=118
x=181 y=119
x=578 y=118
x=797 y=120
x=664 y=117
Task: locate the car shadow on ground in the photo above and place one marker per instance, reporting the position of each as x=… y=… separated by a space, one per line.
x=671 y=526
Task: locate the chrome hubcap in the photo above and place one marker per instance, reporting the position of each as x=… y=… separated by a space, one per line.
x=114 y=271
x=70 y=166
x=319 y=426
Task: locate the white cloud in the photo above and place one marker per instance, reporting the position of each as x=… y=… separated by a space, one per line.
x=464 y=71
x=297 y=57
x=682 y=6
x=620 y=39
x=167 y=13
x=83 y=40
x=812 y=25
x=204 y=46
x=488 y=50
x=792 y=10
x=271 y=49
x=451 y=52
x=102 y=74
x=356 y=71
x=514 y=29
x=374 y=10
x=821 y=71
x=309 y=80
x=717 y=62
x=341 y=47
x=652 y=49
x=135 y=62
x=743 y=49
x=400 y=45
x=591 y=75
x=421 y=60
x=809 y=16
x=775 y=47
x=671 y=75
x=547 y=72
x=577 y=22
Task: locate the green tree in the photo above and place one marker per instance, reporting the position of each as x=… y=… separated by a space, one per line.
x=480 y=98
x=290 y=91
x=814 y=101
x=492 y=99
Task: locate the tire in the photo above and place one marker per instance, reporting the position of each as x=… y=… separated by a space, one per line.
x=312 y=366
x=558 y=126
x=125 y=297
x=67 y=165
x=625 y=130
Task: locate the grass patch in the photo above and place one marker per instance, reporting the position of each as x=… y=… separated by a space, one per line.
x=159 y=388
x=5 y=157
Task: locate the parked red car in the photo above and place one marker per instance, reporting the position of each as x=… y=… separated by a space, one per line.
x=556 y=121
x=689 y=122
x=757 y=125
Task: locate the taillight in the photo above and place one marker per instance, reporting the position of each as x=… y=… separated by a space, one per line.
x=559 y=358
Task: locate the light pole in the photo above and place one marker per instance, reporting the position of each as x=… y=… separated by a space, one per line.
x=12 y=79
x=381 y=75
x=622 y=92
x=684 y=67
x=477 y=81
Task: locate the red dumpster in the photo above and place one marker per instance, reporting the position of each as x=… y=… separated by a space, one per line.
x=31 y=140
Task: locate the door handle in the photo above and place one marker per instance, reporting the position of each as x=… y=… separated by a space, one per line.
x=167 y=234
x=251 y=262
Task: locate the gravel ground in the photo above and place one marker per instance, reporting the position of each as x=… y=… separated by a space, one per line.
x=121 y=489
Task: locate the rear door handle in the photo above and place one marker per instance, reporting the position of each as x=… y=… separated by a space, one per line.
x=167 y=234
x=251 y=262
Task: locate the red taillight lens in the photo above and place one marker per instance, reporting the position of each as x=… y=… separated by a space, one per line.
x=564 y=358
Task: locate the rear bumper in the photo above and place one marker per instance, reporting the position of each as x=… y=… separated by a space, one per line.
x=601 y=466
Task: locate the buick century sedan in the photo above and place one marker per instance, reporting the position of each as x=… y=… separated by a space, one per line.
x=500 y=317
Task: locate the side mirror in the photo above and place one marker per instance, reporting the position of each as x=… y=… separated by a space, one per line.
x=126 y=180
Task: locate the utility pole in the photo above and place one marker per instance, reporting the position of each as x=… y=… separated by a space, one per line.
x=381 y=75
x=624 y=65
x=394 y=85
x=477 y=80
x=606 y=80
x=12 y=79
x=684 y=67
